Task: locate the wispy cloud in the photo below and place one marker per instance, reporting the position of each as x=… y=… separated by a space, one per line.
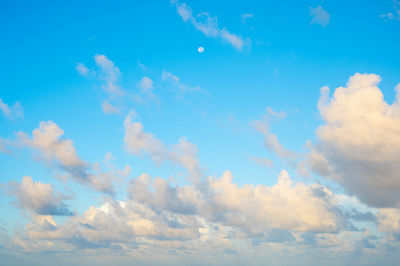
x=246 y=16
x=262 y=161
x=11 y=112
x=176 y=82
x=319 y=16
x=140 y=142
x=108 y=108
x=208 y=25
x=82 y=69
x=271 y=141
x=109 y=74
x=395 y=15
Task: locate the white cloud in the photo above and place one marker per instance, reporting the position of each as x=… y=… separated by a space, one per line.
x=59 y=153
x=271 y=112
x=108 y=108
x=208 y=25
x=39 y=198
x=359 y=144
x=208 y=217
x=146 y=85
x=176 y=82
x=11 y=112
x=271 y=141
x=139 y=142
x=109 y=74
x=82 y=69
x=319 y=16
x=395 y=15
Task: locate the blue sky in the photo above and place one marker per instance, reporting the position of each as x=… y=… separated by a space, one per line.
x=171 y=131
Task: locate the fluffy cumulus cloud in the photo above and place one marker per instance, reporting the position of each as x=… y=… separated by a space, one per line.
x=359 y=143
x=213 y=214
x=319 y=16
x=208 y=25
x=11 y=111
x=39 y=198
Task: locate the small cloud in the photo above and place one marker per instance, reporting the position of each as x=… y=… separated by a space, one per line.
x=82 y=69
x=245 y=17
x=208 y=25
x=200 y=49
x=142 y=66
x=109 y=108
x=395 y=15
x=109 y=74
x=319 y=16
x=262 y=161
x=146 y=84
x=176 y=81
x=11 y=112
x=280 y=114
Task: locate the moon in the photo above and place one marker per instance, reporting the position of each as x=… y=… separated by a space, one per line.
x=200 y=49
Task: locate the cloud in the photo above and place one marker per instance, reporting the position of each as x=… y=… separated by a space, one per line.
x=59 y=153
x=389 y=220
x=359 y=143
x=319 y=16
x=82 y=69
x=271 y=112
x=395 y=15
x=109 y=74
x=146 y=84
x=139 y=142
x=262 y=161
x=208 y=25
x=244 y=17
x=11 y=112
x=271 y=141
x=176 y=82
x=39 y=198
x=209 y=216
x=108 y=108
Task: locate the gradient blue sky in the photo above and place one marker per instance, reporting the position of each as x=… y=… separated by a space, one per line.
x=126 y=84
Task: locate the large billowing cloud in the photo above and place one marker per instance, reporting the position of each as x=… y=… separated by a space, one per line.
x=39 y=198
x=359 y=143
x=214 y=213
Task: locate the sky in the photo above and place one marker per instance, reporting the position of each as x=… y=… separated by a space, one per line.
x=200 y=132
